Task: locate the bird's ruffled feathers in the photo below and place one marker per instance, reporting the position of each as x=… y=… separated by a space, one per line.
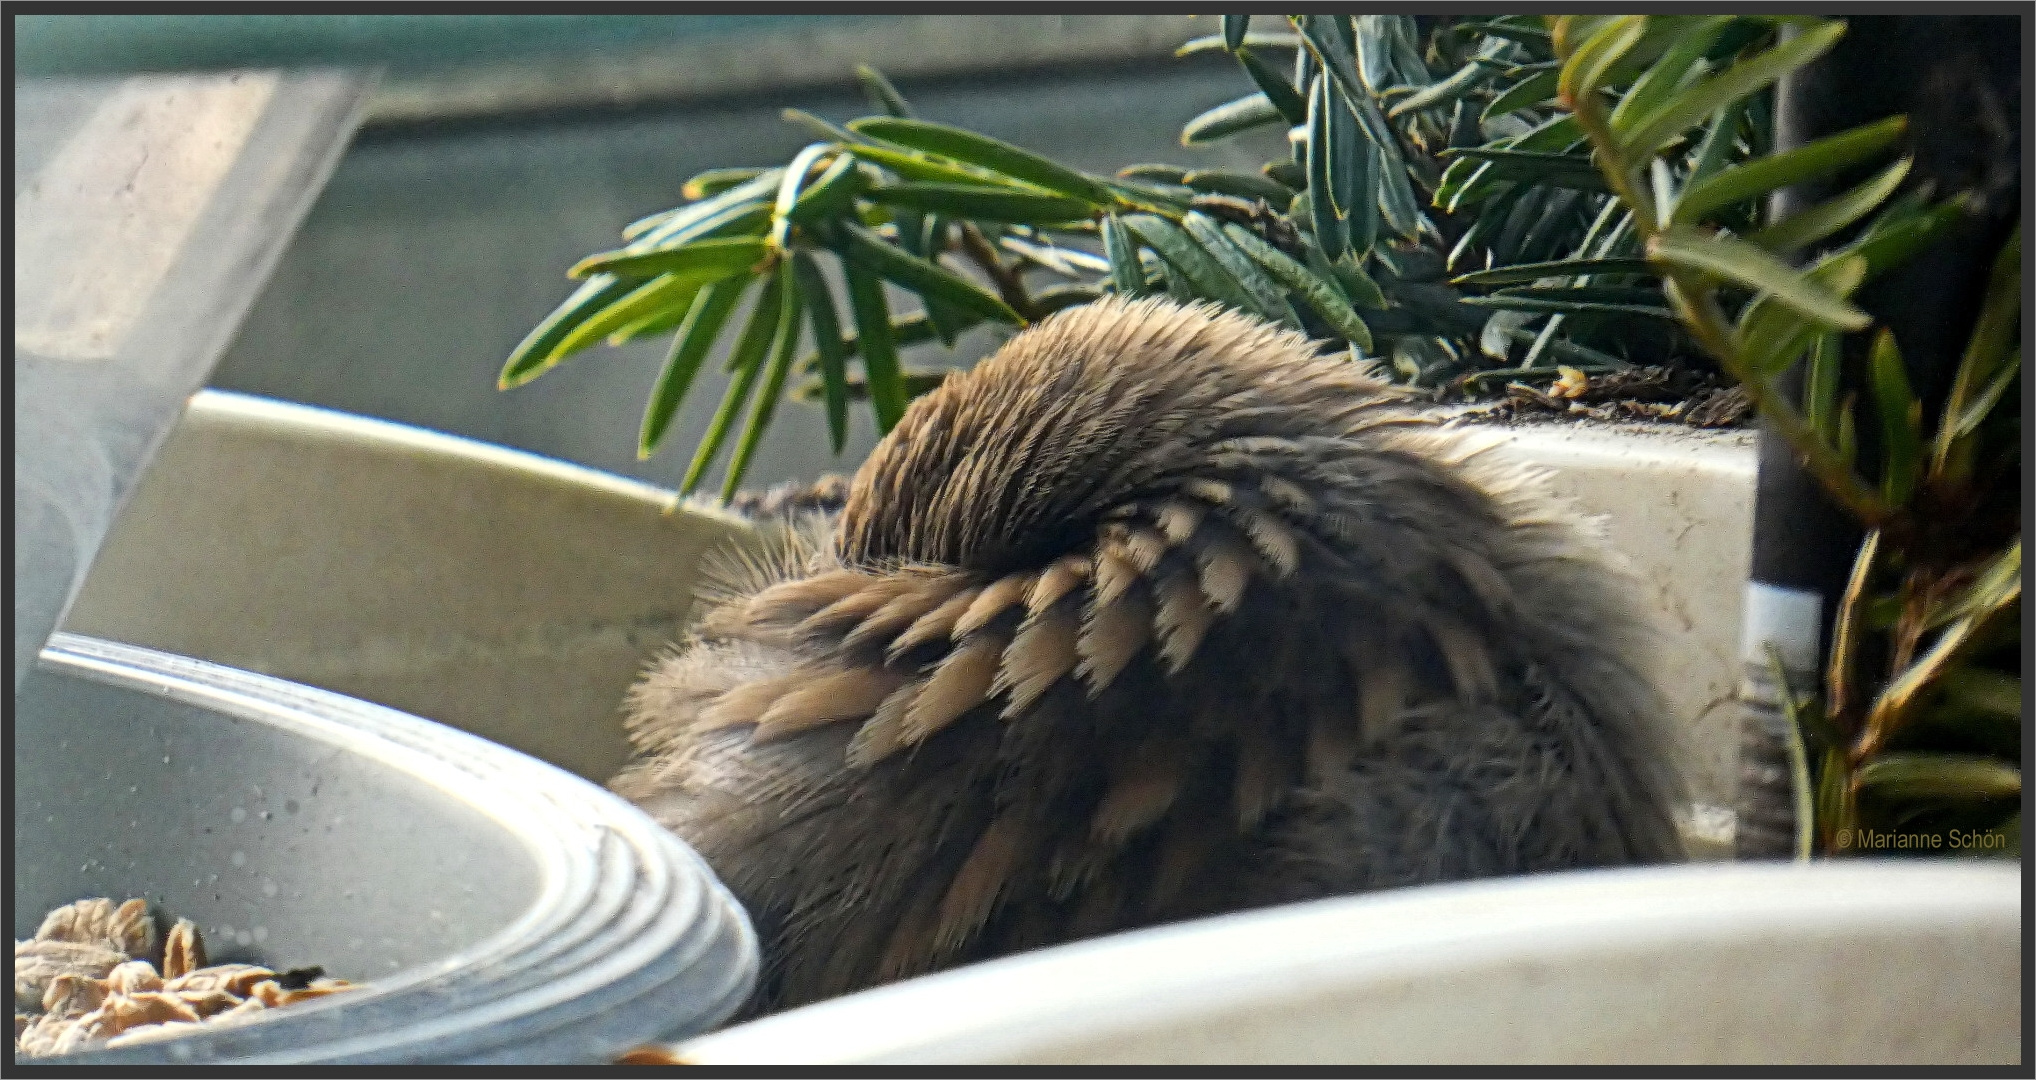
x=1148 y=571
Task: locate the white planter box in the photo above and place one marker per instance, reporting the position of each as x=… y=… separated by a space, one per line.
x=1677 y=503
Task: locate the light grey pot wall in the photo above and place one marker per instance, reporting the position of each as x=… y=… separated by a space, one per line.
x=508 y=595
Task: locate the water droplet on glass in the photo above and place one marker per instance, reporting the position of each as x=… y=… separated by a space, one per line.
x=266 y=815
x=290 y=806
x=166 y=759
x=261 y=933
x=239 y=815
x=239 y=858
x=268 y=888
x=244 y=938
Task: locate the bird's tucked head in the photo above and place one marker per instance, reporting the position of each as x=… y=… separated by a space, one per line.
x=1013 y=462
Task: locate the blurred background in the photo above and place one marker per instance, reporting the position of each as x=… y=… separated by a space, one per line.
x=445 y=234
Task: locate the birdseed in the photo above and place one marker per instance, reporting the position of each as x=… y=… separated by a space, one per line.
x=94 y=976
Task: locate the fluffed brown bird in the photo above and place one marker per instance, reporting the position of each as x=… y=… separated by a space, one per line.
x=1153 y=614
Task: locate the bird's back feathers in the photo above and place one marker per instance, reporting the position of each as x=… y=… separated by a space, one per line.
x=1155 y=613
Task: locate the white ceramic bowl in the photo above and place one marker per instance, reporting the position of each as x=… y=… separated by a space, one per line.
x=497 y=909
x=1845 y=963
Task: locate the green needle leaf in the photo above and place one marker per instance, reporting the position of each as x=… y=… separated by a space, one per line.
x=687 y=222
x=1669 y=73
x=1798 y=755
x=1357 y=285
x=787 y=344
x=1688 y=108
x=1225 y=120
x=867 y=250
x=823 y=128
x=1968 y=418
x=1234 y=27
x=1820 y=387
x=1241 y=185
x=880 y=91
x=738 y=209
x=1941 y=776
x=983 y=152
x=1203 y=273
x=1511 y=302
x=1808 y=162
x=1275 y=86
x=788 y=191
x=1901 y=417
x=747 y=364
x=1982 y=365
x=1771 y=335
x=1319 y=295
x=1716 y=147
x=1585 y=69
x=1534 y=90
x=650 y=325
x=982 y=203
x=912 y=165
x=1327 y=224
x=711 y=182
x=705 y=259
x=1741 y=262
x=695 y=339
x=1809 y=226
x=907 y=330
x=1983 y=691
x=659 y=295
x=873 y=335
x=1560 y=170
x=1467 y=78
x=830 y=193
x=1163 y=174
x=1265 y=296
x=1388 y=169
x=1847 y=444
x=1530 y=272
x=827 y=342
x=538 y=351
x=1122 y=252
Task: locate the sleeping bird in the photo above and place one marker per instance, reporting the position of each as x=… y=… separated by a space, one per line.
x=1156 y=613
